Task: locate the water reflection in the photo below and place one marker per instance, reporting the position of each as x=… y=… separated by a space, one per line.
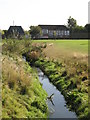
x=56 y=103
x=51 y=98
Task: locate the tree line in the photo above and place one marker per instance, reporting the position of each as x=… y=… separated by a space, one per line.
x=36 y=31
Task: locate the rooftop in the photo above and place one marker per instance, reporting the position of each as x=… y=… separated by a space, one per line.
x=53 y=27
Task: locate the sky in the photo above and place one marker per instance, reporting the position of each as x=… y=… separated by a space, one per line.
x=34 y=12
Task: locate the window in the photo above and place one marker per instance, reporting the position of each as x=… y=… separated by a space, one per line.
x=51 y=32
x=47 y=30
x=65 y=32
x=44 y=31
x=59 y=32
x=62 y=32
x=68 y=33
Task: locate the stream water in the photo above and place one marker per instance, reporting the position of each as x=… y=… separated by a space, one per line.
x=57 y=107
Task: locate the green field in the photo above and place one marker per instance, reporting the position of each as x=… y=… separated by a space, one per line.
x=70 y=45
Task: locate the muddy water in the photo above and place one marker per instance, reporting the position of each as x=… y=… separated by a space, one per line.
x=57 y=105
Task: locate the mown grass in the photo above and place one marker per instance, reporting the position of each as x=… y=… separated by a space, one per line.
x=72 y=45
x=22 y=94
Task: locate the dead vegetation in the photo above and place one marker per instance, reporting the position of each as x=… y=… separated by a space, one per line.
x=75 y=63
x=14 y=74
x=20 y=85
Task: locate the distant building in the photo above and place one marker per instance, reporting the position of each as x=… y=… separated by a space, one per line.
x=54 y=31
x=15 y=32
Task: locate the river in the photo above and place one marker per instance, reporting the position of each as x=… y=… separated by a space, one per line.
x=57 y=107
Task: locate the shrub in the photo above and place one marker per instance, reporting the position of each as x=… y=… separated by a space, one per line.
x=84 y=78
x=11 y=84
x=64 y=73
x=24 y=90
x=40 y=105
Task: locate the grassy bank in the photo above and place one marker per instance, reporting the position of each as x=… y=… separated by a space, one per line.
x=71 y=53
x=22 y=93
x=66 y=65
x=73 y=89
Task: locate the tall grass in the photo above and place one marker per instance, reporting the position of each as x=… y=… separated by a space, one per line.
x=20 y=86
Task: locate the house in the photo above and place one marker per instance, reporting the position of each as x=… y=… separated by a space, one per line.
x=54 y=31
x=15 y=32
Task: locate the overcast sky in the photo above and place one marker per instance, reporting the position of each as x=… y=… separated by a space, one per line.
x=34 y=12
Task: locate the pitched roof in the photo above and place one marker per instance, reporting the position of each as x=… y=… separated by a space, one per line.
x=16 y=28
x=54 y=27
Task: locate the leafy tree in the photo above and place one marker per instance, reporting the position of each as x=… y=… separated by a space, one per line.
x=72 y=23
x=4 y=34
x=87 y=27
x=35 y=31
x=1 y=31
x=26 y=32
x=79 y=29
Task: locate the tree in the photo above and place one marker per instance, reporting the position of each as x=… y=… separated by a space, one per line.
x=1 y=31
x=78 y=29
x=4 y=34
x=72 y=23
x=35 y=32
x=87 y=27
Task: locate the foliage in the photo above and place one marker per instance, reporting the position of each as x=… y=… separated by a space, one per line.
x=71 y=23
x=68 y=86
x=35 y=31
x=1 y=31
x=27 y=35
x=16 y=47
x=78 y=29
x=87 y=26
x=4 y=35
x=74 y=28
x=54 y=34
x=70 y=81
x=20 y=84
